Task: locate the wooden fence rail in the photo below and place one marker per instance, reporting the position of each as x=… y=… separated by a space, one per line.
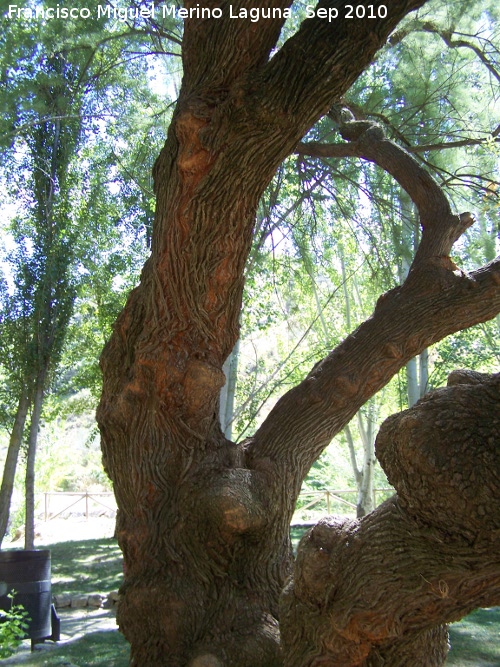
x=107 y=500
x=335 y=496
x=74 y=498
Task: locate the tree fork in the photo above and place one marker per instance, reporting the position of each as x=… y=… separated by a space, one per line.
x=203 y=523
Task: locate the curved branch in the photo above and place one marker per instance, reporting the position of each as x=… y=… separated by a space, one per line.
x=418 y=183
x=440 y=227
x=313 y=67
x=435 y=301
x=321 y=150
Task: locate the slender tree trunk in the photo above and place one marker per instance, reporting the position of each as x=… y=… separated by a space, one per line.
x=364 y=477
x=417 y=377
x=365 y=503
x=29 y=535
x=9 y=471
x=424 y=372
x=228 y=392
x=413 y=388
x=358 y=475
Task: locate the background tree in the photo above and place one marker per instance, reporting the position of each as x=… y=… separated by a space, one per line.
x=43 y=281
x=61 y=85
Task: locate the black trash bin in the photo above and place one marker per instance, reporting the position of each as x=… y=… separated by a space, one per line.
x=27 y=573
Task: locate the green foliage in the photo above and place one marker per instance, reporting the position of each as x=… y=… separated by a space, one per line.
x=13 y=627
x=477 y=348
x=79 y=131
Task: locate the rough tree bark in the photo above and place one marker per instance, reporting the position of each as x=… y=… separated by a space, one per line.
x=374 y=591
x=203 y=523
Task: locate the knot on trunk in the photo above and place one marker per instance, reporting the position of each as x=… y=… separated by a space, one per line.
x=206 y=660
x=443 y=456
x=233 y=502
x=202 y=385
x=367 y=130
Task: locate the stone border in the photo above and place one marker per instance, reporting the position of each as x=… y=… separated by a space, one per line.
x=95 y=600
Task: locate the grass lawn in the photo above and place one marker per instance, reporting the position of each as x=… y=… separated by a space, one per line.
x=89 y=566
x=475 y=640
x=97 y=649
x=95 y=566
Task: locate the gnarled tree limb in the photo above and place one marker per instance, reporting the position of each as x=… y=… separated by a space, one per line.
x=365 y=591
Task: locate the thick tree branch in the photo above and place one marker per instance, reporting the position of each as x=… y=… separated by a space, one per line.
x=449 y=441
x=428 y=578
x=217 y=52
x=438 y=541
x=311 y=70
x=435 y=301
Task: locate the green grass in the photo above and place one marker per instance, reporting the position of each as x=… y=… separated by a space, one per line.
x=96 y=649
x=475 y=640
x=88 y=566
x=95 y=566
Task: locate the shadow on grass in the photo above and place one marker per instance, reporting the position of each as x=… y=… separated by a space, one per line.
x=475 y=640
x=87 y=566
x=95 y=649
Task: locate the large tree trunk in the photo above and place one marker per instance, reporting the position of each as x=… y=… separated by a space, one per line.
x=372 y=592
x=10 y=466
x=203 y=523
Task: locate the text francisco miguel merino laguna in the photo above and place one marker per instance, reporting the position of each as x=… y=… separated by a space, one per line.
x=164 y=11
